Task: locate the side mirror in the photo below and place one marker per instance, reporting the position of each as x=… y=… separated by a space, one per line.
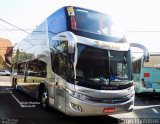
x=146 y=52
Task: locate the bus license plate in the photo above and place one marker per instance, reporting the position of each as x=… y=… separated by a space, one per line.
x=109 y=110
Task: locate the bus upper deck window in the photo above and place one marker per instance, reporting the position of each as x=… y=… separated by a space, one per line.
x=81 y=19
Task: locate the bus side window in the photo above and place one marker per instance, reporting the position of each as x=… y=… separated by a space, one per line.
x=37 y=68
x=57 y=22
x=42 y=69
x=60 y=58
x=136 y=66
x=21 y=68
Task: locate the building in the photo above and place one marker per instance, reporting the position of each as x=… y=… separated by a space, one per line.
x=5 y=53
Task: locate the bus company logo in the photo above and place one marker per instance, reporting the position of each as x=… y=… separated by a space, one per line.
x=109 y=101
x=109 y=88
x=98 y=43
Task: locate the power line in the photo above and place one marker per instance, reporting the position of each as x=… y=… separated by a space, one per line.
x=14 y=26
x=147 y=31
x=13 y=38
x=6 y=29
x=10 y=29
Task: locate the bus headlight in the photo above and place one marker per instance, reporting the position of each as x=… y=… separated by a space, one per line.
x=77 y=95
x=76 y=107
x=130 y=96
x=131 y=90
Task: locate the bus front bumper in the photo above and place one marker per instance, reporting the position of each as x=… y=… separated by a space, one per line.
x=146 y=90
x=76 y=107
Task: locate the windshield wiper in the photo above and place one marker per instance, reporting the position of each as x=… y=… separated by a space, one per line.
x=100 y=80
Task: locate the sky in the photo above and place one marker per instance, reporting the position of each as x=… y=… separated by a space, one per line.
x=139 y=18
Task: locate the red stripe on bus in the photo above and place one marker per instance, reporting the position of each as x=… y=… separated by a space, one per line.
x=146 y=74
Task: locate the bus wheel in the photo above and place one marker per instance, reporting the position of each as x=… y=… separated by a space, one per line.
x=131 y=110
x=44 y=100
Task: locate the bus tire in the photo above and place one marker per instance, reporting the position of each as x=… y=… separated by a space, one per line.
x=131 y=110
x=138 y=94
x=44 y=99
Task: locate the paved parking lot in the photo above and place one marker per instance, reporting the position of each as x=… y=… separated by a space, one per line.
x=17 y=107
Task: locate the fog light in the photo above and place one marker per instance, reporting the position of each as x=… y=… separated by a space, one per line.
x=76 y=107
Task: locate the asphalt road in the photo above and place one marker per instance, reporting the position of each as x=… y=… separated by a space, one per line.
x=18 y=108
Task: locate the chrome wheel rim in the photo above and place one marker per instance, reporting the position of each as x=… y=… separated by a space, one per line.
x=44 y=99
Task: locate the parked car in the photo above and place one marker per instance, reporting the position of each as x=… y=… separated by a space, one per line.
x=4 y=72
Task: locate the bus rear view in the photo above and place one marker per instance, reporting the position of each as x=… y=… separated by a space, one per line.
x=147 y=75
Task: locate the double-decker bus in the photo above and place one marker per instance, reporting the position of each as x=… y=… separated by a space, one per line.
x=73 y=62
x=146 y=75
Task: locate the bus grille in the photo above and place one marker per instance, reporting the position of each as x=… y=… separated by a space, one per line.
x=111 y=100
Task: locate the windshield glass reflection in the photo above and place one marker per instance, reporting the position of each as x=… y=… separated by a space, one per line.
x=101 y=67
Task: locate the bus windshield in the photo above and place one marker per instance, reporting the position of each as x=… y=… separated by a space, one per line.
x=154 y=61
x=91 y=21
x=100 y=67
